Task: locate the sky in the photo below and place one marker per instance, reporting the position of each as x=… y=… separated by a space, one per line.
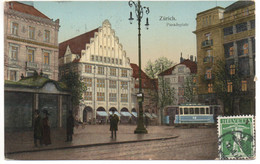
x=159 y=40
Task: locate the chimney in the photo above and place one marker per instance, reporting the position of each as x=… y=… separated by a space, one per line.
x=181 y=59
x=191 y=57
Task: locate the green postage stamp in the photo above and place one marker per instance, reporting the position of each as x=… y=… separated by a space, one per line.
x=236 y=137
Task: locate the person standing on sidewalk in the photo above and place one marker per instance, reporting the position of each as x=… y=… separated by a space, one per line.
x=46 y=129
x=70 y=126
x=113 y=123
x=38 y=127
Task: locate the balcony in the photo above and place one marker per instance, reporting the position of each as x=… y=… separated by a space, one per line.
x=13 y=63
x=46 y=67
x=207 y=43
x=31 y=65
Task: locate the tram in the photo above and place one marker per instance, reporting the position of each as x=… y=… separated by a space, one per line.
x=191 y=114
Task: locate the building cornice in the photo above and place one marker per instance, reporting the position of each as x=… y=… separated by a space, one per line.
x=31 y=42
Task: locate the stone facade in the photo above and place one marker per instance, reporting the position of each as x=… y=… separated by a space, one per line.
x=30 y=42
x=102 y=63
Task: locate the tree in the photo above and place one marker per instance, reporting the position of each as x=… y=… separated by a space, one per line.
x=189 y=92
x=227 y=87
x=159 y=65
x=76 y=87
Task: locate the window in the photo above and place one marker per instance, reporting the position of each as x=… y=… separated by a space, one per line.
x=108 y=60
x=194 y=90
x=207 y=110
x=124 y=98
x=46 y=58
x=92 y=57
x=252 y=23
x=112 y=71
x=230 y=87
x=243 y=66
x=88 y=95
x=112 y=97
x=120 y=61
x=180 y=79
x=88 y=82
x=244 y=85
x=100 y=96
x=46 y=36
x=180 y=69
x=100 y=58
x=105 y=59
x=116 y=61
x=31 y=32
x=30 y=55
x=100 y=83
x=14 y=29
x=124 y=85
x=202 y=110
x=180 y=91
x=208 y=73
x=167 y=80
x=241 y=27
x=232 y=69
x=210 y=88
x=228 y=30
x=88 y=68
x=112 y=84
x=194 y=80
x=124 y=73
x=101 y=70
x=186 y=111
x=197 y=111
x=191 y=110
x=13 y=52
x=113 y=60
x=13 y=75
x=181 y=111
x=229 y=49
x=97 y=58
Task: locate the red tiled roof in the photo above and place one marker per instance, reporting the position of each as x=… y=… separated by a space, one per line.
x=190 y=64
x=77 y=43
x=147 y=83
x=27 y=9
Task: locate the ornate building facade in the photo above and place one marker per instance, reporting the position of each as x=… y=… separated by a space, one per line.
x=30 y=42
x=227 y=34
x=102 y=63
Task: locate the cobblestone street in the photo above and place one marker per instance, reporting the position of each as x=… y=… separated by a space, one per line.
x=192 y=144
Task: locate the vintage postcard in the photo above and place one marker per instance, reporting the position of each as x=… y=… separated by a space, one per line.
x=129 y=80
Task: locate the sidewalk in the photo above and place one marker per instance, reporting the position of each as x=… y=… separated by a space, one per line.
x=85 y=136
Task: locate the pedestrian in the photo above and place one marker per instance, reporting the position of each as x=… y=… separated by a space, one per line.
x=146 y=121
x=70 y=126
x=38 y=127
x=46 y=129
x=113 y=123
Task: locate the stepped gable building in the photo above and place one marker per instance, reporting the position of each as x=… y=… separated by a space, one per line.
x=177 y=75
x=30 y=42
x=227 y=34
x=102 y=63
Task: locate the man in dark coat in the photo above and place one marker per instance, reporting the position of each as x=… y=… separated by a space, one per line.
x=70 y=126
x=38 y=127
x=113 y=123
x=46 y=129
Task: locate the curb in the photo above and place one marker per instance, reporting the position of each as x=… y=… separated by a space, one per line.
x=92 y=145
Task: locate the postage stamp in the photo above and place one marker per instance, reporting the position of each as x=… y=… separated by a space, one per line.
x=236 y=137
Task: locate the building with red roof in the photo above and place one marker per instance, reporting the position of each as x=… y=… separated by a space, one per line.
x=31 y=42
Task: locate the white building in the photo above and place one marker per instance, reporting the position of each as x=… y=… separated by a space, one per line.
x=177 y=75
x=102 y=63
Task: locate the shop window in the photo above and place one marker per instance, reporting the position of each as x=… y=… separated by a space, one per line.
x=244 y=85
x=230 y=87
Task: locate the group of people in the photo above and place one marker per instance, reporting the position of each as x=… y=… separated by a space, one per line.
x=41 y=129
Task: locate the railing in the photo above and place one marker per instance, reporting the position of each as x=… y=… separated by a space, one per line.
x=31 y=65
x=207 y=43
x=12 y=62
x=46 y=67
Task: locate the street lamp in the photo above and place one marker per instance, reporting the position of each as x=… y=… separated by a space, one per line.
x=139 y=11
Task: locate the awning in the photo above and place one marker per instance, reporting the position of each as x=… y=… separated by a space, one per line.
x=154 y=115
x=102 y=113
x=148 y=115
x=126 y=114
x=134 y=114
x=115 y=113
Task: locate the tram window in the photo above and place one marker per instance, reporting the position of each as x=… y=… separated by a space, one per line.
x=177 y=111
x=181 y=111
x=211 y=110
x=197 y=111
x=202 y=110
x=207 y=110
x=186 y=111
x=191 y=110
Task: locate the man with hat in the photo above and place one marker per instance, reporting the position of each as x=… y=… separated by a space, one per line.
x=38 y=127
x=113 y=123
x=70 y=126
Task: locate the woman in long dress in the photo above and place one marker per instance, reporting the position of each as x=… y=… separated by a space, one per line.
x=46 y=129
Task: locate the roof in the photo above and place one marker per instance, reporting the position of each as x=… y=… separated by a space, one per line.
x=217 y=7
x=188 y=63
x=77 y=43
x=27 y=9
x=146 y=81
x=237 y=5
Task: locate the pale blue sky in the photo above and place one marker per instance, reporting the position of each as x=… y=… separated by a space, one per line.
x=160 y=40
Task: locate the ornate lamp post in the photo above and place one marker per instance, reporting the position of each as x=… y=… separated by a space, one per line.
x=139 y=11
